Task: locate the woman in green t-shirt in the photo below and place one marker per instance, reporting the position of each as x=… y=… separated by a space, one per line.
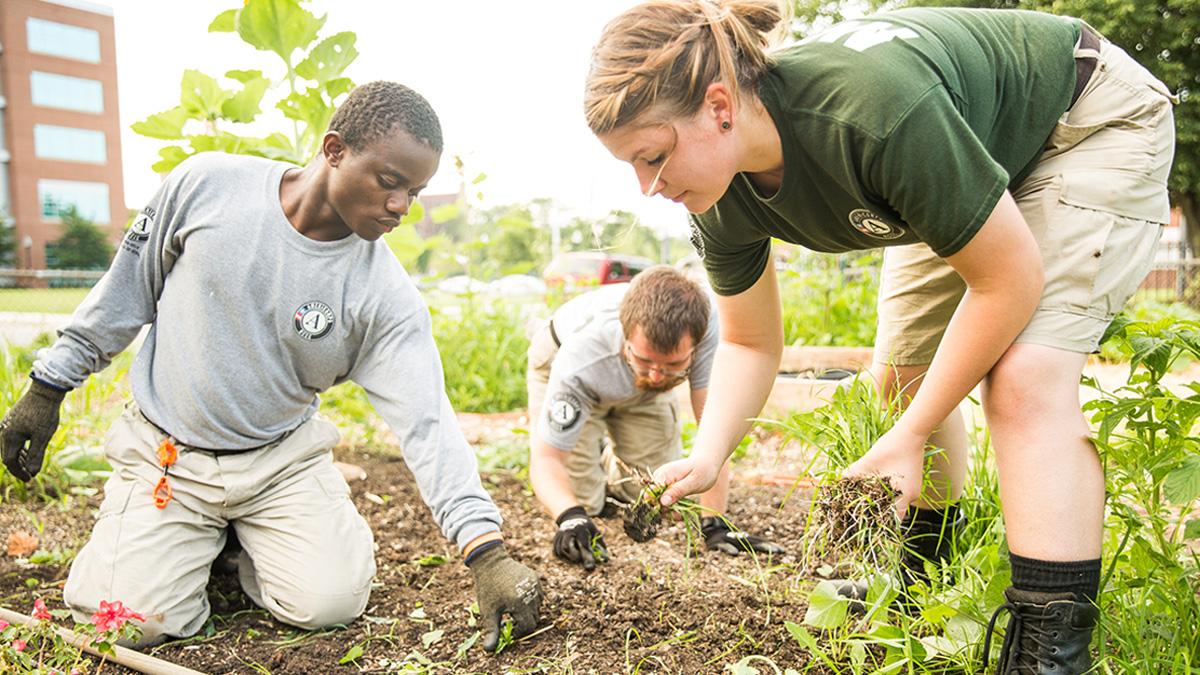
x=1014 y=163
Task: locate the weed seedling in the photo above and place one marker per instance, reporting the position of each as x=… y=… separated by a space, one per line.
x=506 y=636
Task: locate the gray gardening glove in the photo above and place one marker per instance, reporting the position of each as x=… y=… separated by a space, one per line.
x=28 y=427
x=721 y=536
x=503 y=585
x=578 y=540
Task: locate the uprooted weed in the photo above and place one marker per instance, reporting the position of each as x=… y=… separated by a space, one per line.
x=642 y=518
x=852 y=520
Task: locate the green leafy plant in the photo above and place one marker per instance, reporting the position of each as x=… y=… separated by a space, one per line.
x=210 y=109
x=830 y=301
x=1147 y=436
x=75 y=462
x=506 y=636
x=483 y=355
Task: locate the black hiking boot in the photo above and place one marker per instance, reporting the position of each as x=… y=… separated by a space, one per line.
x=925 y=540
x=1049 y=634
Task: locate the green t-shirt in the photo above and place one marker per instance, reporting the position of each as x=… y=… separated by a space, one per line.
x=898 y=128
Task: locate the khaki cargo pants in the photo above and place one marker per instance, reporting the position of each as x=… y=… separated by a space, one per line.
x=1096 y=203
x=644 y=435
x=308 y=556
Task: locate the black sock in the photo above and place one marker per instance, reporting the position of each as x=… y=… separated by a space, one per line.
x=1081 y=577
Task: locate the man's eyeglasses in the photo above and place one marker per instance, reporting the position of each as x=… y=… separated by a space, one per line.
x=643 y=366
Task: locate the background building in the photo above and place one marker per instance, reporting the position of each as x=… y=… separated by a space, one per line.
x=60 y=141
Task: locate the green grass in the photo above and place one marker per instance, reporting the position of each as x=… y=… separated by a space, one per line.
x=41 y=300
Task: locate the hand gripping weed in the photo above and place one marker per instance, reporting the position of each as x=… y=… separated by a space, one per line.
x=642 y=518
x=167 y=454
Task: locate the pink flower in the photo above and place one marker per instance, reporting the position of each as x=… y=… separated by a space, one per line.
x=19 y=645
x=113 y=615
x=3 y=624
x=39 y=610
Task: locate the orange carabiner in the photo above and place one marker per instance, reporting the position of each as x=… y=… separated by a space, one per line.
x=162 y=493
x=167 y=454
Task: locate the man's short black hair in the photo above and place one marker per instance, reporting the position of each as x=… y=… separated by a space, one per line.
x=378 y=108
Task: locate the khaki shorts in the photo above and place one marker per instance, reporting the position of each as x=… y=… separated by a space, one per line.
x=644 y=435
x=1096 y=204
x=308 y=556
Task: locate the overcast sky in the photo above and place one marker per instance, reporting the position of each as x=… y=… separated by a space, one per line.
x=506 y=78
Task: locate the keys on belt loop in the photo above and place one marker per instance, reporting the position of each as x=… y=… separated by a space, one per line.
x=167 y=455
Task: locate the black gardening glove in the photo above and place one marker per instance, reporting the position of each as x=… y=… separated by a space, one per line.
x=578 y=540
x=721 y=536
x=503 y=585
x=32 y=420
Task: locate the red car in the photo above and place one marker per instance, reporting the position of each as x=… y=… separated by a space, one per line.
x=587 y=268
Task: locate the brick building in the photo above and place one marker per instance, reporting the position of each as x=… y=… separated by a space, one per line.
x=60 y=143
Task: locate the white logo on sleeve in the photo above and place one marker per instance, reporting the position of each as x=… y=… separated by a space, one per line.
x=313 y=320
x=873 y=226
x=139 y=231
x=563 y=412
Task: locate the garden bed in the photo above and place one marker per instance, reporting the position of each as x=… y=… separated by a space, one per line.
x=652 y=605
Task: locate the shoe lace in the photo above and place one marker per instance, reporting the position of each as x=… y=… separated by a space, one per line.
x=1017 y=633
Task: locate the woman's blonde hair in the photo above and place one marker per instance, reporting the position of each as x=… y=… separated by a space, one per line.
x=668 y=52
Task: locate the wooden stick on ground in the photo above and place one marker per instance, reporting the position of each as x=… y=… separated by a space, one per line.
x=143 y=663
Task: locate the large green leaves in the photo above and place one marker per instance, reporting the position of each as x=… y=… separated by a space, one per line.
x=280 y=26
x=315 y=84
x=226 y=22
x=201 y=95
x=243 y=106
x=329 y=59
x=826 y=609
x=1183 y=484
x=166 y=125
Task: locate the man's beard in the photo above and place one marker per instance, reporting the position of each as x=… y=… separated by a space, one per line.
x=642 y=382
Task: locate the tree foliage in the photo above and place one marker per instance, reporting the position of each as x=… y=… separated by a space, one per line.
x=82 y=245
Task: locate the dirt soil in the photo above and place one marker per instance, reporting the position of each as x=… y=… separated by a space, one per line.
x=653 y=608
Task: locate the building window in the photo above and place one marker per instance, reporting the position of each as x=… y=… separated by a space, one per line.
x=72 y=145
x=89 y=199
x=51 y=90
x=60 y=39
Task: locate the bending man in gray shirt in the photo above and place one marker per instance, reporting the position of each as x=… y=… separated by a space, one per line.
x=607 y=364
x=263 y=285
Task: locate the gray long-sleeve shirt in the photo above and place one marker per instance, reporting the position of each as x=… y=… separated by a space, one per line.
x=250 y=320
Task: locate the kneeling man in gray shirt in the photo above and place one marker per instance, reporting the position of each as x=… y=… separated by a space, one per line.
x=265 y=284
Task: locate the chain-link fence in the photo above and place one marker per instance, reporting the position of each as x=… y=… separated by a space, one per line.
x=33 y=302
x=1174 y=278
x=37 y=301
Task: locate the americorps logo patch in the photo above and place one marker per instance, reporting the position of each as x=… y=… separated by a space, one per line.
x=873 y=226
x=313 y=320
x=139 y=232
x=564 y=412
x=140 y=229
